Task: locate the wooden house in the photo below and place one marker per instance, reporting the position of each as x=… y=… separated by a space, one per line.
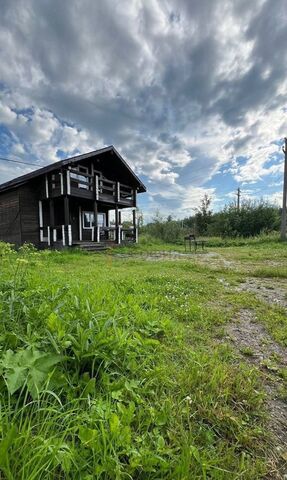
x=68 y=203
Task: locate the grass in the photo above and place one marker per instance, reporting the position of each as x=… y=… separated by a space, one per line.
x=112 y=368
x=263 y=240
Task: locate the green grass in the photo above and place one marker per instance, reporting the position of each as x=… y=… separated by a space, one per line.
x=111 y=368
x=271 y=240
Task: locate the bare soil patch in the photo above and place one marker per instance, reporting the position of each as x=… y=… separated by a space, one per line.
x=247 y=333
x=212 y=259
x=251 y=340
x=157 y=255
x=274 y=293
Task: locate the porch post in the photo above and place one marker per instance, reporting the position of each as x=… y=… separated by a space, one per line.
x=63 y=235
x=68 y=182
x=70 y=240
x=118 y=233
x=52 y=220
x=41 y=221
x=134 y=198
x=118 y=191
x=135 y=225
x=97 y=187
x=62 y=181
x=46 y=186
x=67 y=221
x=120 y=228
x=80 y=224
x=96 y=227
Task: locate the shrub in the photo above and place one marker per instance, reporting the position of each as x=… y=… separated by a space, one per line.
x=252 y=219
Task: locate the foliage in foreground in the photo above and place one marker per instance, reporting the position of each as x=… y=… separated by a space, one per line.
x=109 y=371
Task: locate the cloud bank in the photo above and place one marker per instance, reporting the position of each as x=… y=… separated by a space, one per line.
x=191 y=92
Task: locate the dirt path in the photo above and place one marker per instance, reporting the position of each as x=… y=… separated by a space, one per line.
x=266 y=289
x=251 y=340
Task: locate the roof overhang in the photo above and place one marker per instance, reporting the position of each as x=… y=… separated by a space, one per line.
x=16 y=182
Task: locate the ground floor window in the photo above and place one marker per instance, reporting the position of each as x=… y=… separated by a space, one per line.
x=88 y=219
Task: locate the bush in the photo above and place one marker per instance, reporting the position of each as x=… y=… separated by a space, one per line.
x=254 y=218
x=165 y=230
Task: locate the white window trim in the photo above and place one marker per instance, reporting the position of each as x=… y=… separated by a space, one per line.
x=83 y=219
x=89 y=211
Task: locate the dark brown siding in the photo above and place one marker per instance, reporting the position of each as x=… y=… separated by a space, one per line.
x=10 y=217
x=29 y=207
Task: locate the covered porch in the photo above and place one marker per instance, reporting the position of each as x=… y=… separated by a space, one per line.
x=72 y=221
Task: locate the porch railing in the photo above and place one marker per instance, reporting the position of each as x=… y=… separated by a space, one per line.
x=84 y=181
x=108 y=234
x=114 y=191
x=62 y=234
x=106 y=187
x=126 y=193
x=56 y=234
x=128 y=235
x=118 y=234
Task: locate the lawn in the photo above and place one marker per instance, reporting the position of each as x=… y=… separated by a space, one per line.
x=120 y=366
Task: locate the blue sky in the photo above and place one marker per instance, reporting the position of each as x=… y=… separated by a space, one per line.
x=191 y=92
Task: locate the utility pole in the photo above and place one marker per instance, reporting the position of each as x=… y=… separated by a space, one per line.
x=238 y=193
x=283 y=218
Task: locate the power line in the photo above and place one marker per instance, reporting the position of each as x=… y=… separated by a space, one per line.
x=19 y=161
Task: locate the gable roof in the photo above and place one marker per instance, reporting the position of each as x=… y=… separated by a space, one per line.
x=16 y=182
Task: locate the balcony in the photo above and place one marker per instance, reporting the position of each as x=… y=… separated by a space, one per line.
x=95 y=187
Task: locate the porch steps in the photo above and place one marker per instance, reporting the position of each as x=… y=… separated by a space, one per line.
x=91 y=246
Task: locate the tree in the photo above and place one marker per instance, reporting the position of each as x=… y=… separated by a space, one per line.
x=253 y=218
x=203 y=215
x=140 y=218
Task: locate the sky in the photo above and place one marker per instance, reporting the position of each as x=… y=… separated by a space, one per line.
x=192 y=93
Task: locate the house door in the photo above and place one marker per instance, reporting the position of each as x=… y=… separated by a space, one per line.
x=88 y=224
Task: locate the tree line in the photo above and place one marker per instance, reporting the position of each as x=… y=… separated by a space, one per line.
x=252 y=219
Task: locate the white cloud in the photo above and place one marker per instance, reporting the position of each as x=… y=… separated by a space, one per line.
x=179 y=95
x=7 y=116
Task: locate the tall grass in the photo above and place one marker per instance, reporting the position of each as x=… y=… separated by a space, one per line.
x=262 y=239
x=109 y=371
